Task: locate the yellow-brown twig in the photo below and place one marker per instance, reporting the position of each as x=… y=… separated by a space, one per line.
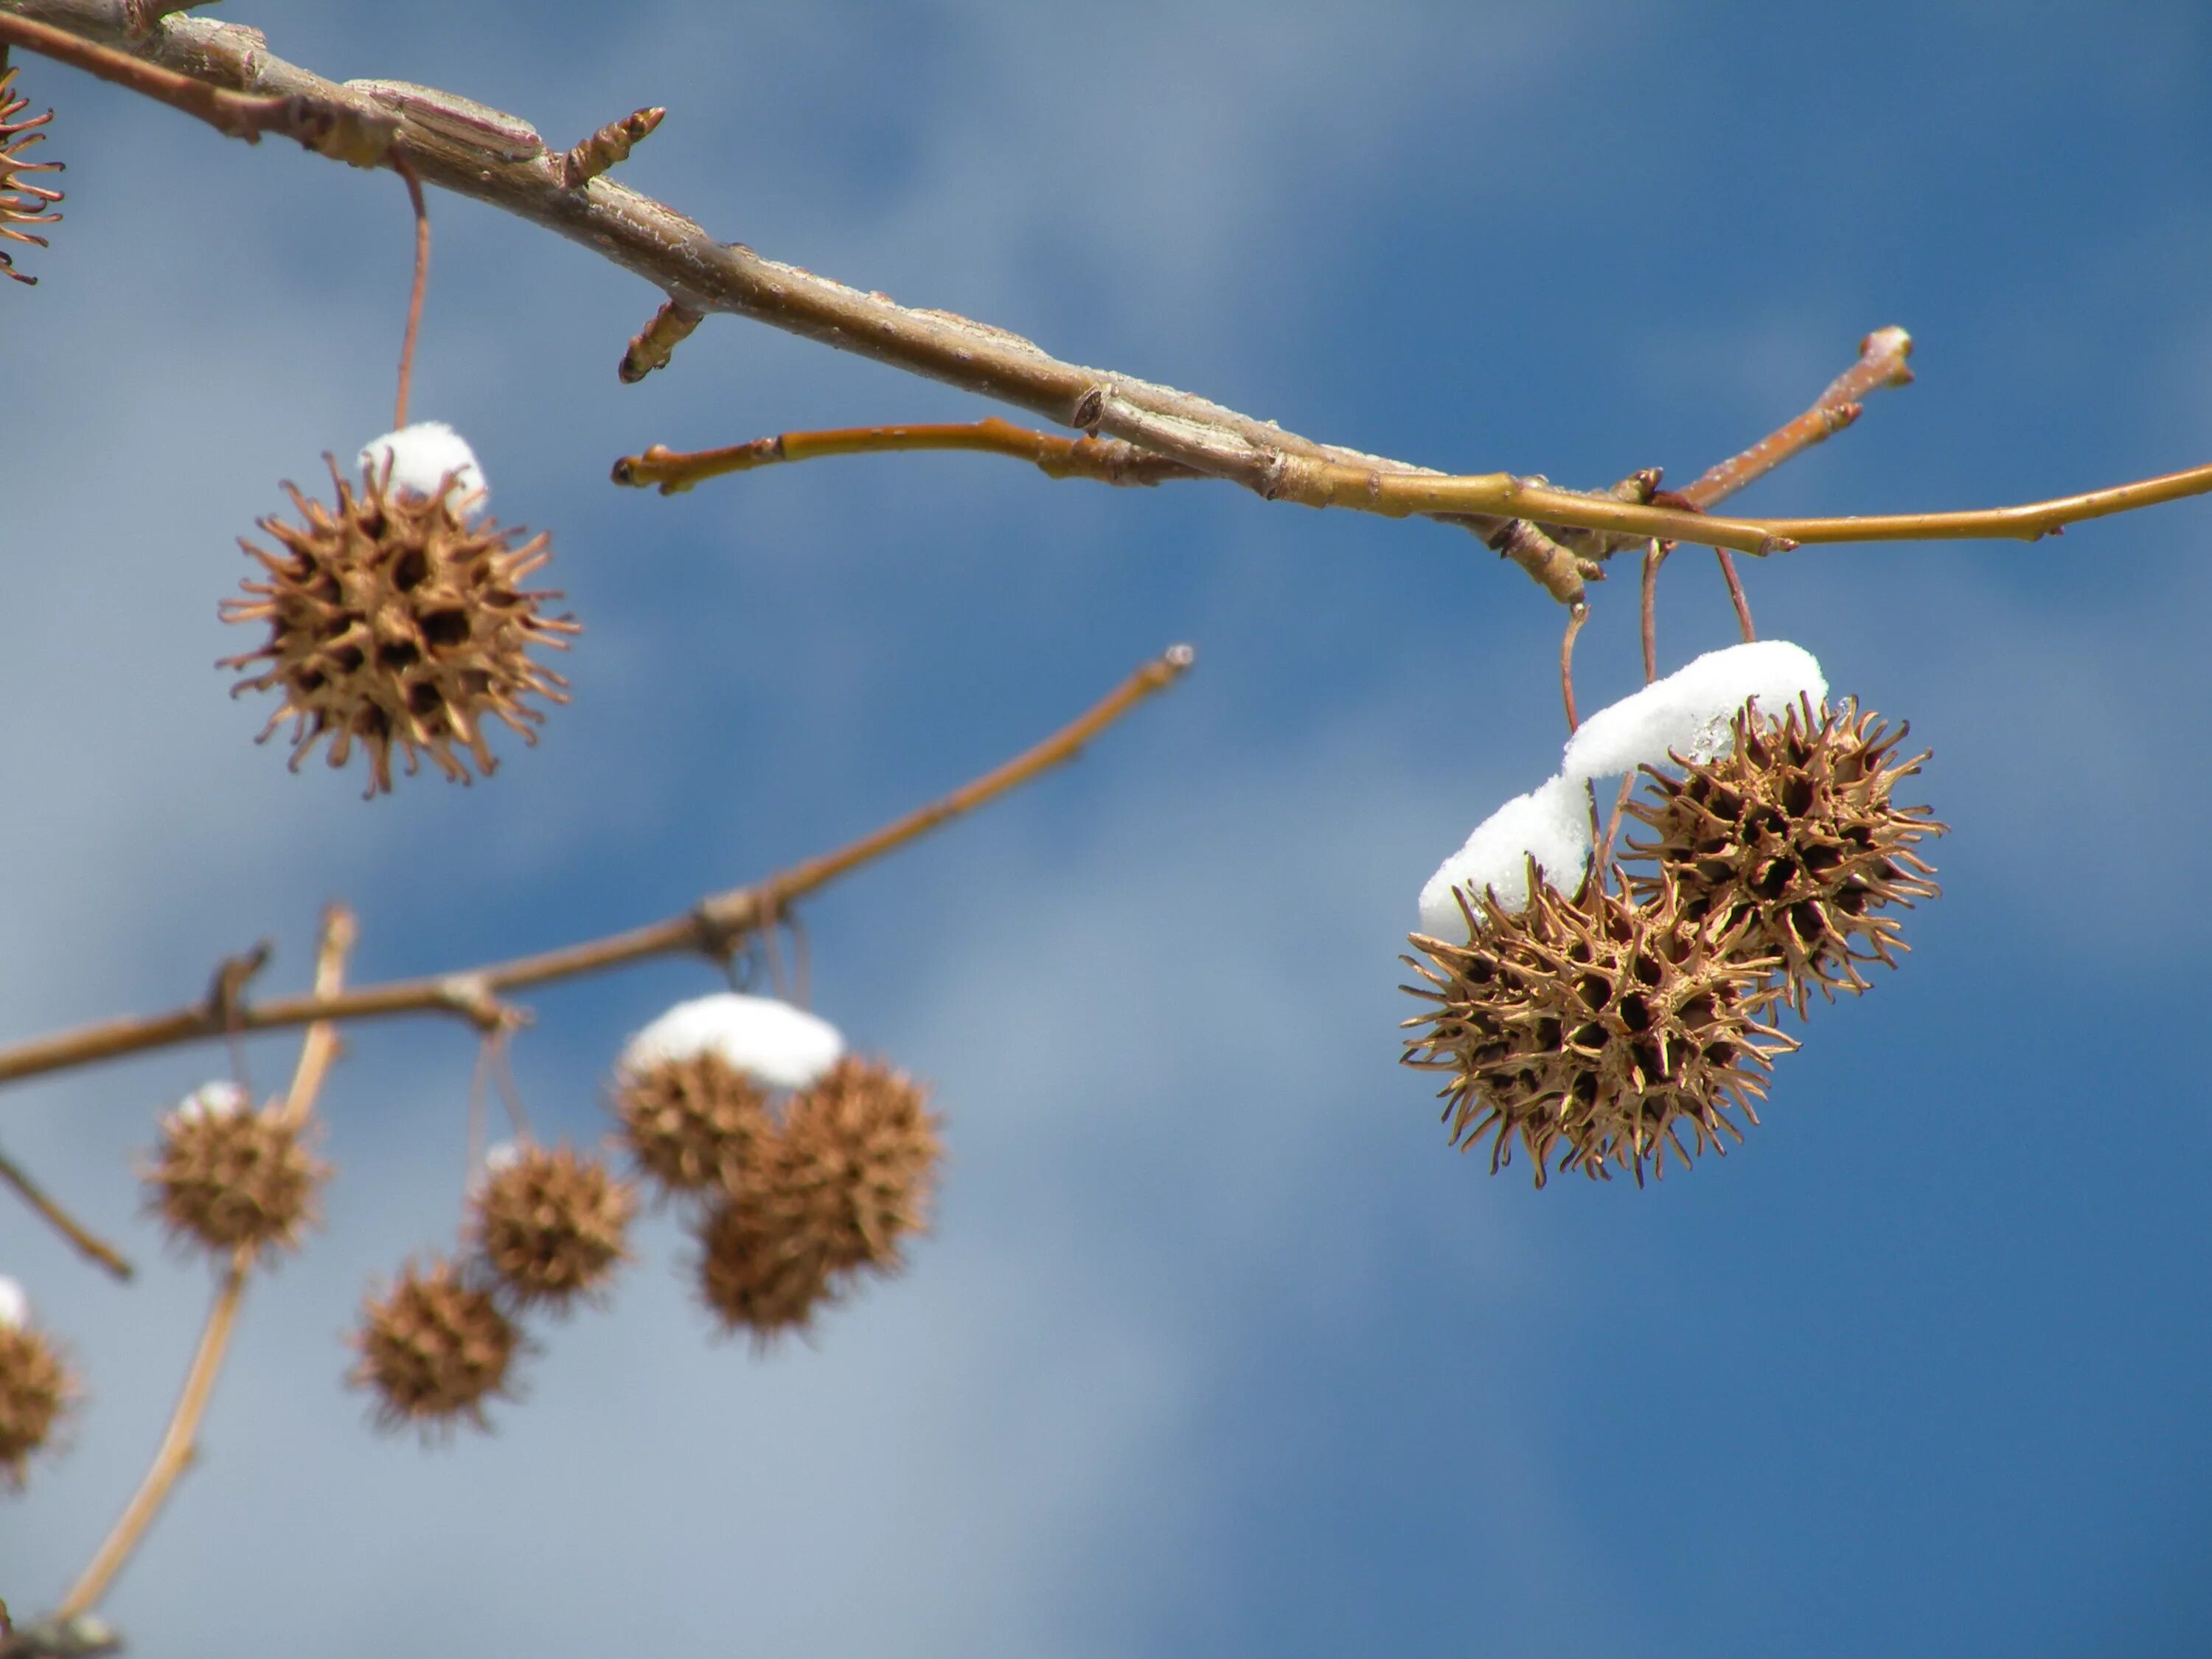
x=179 y=1441
x=1108 y=460
x=86 y=1242
x=712 y=926
x=1881 y=363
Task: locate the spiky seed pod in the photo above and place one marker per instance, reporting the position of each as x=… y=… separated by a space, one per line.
x=550 y=1224
x=21 y=202
x=852 y=1171
x=37 y=1391
x=694 y=1121
x=1793 y=836
x=1595 y=1025
x=756 y=1276
x=395 y=619
x=222 y=1179
x=434 y=1348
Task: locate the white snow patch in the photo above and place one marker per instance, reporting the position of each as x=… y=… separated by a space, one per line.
x=422 y=455
x=15 y=1306
x=772 y=1042
x=222 y=1098
x=1688 y=712
x=1550 y=823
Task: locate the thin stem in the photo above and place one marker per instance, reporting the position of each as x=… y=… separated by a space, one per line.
x=711 y=927
x=399 y=165
x=1655 y=555
x=86 y=1242
x=180 y=1440
x=1736 y=594
x=1107 y=460
x=1881 y=363
x=1577 y=615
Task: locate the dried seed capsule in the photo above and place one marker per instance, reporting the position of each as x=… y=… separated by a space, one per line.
x=758 y=1276
x=434 y=1348
x=37 y=1387
x=1791 y=836
x=21 y=202
x=1596 y=1026
x=398 y=618
x=852 y=1171
x=225 y=1177
x=550 y=1224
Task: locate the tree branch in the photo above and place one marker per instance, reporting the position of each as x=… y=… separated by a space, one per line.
x=499 y=159
x=712 y=927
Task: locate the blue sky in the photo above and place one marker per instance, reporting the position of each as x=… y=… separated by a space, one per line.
x=1216 y=1348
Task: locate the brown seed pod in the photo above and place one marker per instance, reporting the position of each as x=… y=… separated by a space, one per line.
x=434 y=1348
x=393 y=619
x=693 y=1122
x=37 y=1391
x=549 y=1224
x=225 y=1177
x=21 y=202
x=758 y=1276
x=1597 y=1025
x=1792 y=836
x=852 y=1171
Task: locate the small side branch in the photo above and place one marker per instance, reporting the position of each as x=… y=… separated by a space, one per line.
x=711 y=927
x=1106 y=460
x=86 y=1242
x=1881 y=363
x=652 y=346
x=610 y=144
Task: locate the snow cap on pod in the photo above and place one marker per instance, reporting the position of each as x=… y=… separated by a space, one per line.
x=1550 y=824
x=772 y=1042
x=1688 y=712
x=422 y=457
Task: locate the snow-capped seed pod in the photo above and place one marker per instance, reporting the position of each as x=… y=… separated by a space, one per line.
x=853 y=1172
x=692 y=1088
x=756 y=1277
x=434 y=1346
x=1689 y=712
x=21 y=202
x=223 y=1177
x=398 y=618
x=38 y=1389
x=550 y=1223
x=1791 y=837
x=1593 y=1025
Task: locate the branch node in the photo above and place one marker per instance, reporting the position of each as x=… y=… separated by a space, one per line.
x=224 y=1006
x=1090 y=410
x=610 y=144
x=657 y=341
x=724 y=921
x=471 y=996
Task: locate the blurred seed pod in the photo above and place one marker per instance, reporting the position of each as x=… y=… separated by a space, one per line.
x=758 y=1277
x=21 y=202
x=398 y=618
x=1792 y=836
x=434 y=1348
x=224 y=1177
x=693 y=1124
x=854 y=1167
x=38 y=1389
x=1594 y=1026
x=550 y=1224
